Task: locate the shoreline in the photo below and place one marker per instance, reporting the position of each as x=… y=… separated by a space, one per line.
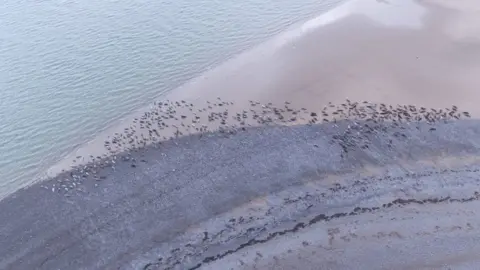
x=187 y=91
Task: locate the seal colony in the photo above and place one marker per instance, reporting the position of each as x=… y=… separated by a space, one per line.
x=356 y=124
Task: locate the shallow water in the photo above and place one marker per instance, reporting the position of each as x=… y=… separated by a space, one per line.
x=70 y=68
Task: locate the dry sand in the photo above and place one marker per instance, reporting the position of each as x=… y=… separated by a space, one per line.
x=296 y=203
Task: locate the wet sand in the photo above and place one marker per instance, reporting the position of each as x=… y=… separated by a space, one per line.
x=288 y=195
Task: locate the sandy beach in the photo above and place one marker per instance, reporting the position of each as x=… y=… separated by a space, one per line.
x=289 y=190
